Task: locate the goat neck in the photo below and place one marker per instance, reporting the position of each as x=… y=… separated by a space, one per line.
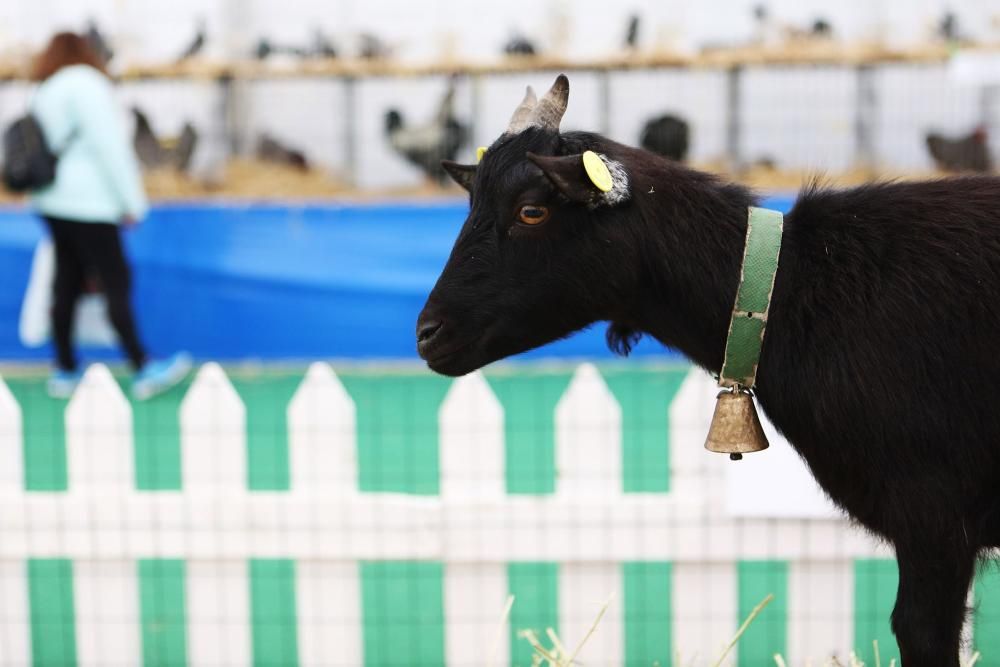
x=690 y=232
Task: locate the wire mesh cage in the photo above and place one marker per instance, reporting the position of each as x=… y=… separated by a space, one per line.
x=349 y=507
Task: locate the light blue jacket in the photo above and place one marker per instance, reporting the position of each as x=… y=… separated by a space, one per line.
x=97 y=176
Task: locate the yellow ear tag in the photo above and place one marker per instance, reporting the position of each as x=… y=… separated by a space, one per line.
x=597 y=171
x=479 y=154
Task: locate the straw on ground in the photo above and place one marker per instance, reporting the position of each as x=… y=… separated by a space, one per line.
x=743 y=628
x=557 y=655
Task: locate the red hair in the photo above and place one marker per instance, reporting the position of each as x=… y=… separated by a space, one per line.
x=63 y=50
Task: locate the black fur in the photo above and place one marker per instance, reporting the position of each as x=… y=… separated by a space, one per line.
x=880 y=363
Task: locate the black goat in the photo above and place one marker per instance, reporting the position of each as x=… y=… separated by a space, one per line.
x=880 y=357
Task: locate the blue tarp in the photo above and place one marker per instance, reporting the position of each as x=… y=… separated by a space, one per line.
x=265 y=281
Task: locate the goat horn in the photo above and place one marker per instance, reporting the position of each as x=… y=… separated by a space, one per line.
x=550 y=109
x=522 y=114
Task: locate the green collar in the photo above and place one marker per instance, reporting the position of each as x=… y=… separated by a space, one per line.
x=753 y=299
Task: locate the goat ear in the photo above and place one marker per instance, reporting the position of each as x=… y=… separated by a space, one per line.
x=463 y=174
x=588 y=178
x=568 y=175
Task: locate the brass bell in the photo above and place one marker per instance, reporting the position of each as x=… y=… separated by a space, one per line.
x=735 y=428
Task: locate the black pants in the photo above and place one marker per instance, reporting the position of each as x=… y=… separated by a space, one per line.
x=84 y=251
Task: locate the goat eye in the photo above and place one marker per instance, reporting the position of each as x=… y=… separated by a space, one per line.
x=533 y=215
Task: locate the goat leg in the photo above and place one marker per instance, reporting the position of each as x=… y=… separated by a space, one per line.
x=934 y=579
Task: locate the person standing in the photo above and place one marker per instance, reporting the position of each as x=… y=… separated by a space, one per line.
x=97 y=190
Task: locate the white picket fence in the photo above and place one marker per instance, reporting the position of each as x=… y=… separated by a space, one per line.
x=589 y=525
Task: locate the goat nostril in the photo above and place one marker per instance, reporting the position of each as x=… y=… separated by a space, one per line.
x=426 y=330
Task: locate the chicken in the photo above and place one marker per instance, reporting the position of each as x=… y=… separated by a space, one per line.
x=426 y=145
x=98 y=43
x=154 y=153
x=196 y=45
x=321 y=47
x=632 y=32
x=269 y=149
x=519 y=45
x=371 y=47
x=969 y=153
x=666 y=135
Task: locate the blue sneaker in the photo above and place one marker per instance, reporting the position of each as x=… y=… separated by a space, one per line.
x=157 y=377
x=62 y=383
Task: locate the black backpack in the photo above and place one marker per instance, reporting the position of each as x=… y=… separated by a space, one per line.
x=28 y=163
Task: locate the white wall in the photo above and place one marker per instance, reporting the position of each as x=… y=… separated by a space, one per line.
x=801 y=117
x=474 y=28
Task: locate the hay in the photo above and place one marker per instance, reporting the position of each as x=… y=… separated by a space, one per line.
x=500 y=631
x=557 y=655
x=245 y=179
x=797 y=51
x=743 y=628
x=255 y=180
x=854 y=661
